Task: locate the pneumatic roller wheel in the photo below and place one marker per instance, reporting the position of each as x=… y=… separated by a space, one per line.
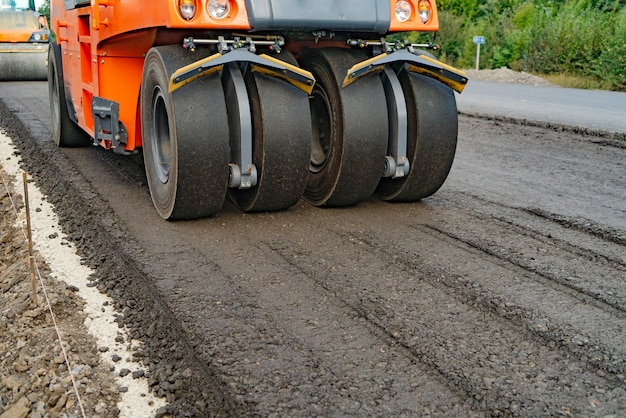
x=281 y=138
x=65 y=132
x=431 y=143
x=350 y=130
x=185 y=137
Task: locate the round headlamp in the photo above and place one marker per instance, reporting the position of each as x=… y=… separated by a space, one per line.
x=404 y=10
x=187 y=9
x=424 y=10
x=218 y=9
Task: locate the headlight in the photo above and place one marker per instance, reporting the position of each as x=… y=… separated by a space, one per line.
x=41 y=36
x=218 y=9
x=403 y=11
x=424 y=9
x=187 y=9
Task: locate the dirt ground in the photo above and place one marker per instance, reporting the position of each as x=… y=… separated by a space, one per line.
x=473 y=308
x=34 y=377
x=506 y=75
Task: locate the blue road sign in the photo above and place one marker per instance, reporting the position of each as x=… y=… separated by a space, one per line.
x=479 y=40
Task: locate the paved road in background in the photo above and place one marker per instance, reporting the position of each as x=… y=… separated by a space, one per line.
x=592 y=109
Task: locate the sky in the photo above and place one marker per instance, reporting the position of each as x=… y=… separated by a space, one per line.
x=23 y=3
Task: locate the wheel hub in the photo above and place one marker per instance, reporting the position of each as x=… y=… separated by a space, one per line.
x=321 y=140
x=162 y=150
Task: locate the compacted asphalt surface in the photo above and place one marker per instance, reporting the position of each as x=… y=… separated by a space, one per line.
x=504 y=294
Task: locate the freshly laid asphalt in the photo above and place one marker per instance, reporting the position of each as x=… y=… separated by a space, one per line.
x=501 y=295
x=603 y=111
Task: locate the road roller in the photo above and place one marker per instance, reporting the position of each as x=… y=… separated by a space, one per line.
x=259 y=102
x=24 y=38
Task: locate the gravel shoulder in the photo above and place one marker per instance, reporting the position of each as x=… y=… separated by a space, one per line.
x=34 y=375
x=69 y=326
x=506 y=75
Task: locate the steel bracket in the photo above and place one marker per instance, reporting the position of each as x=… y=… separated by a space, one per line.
x=418 y=63
x=243 y=173
x=241 y=52
x=109 y=132
x=396 y=162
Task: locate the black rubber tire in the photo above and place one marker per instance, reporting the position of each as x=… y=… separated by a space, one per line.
x=281 y=143
x=350 y=130
x=185 y=138
x=65 y=132
x=432 y=138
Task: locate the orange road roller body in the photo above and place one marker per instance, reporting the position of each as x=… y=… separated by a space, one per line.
x=252 y=100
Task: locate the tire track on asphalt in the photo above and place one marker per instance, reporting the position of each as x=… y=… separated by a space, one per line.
x=552 y=310
x=285 y=345
x=401 y=259
x=580 y=259
x=561 y=311
x=601 y=287
x=584 y=225
x=582 y=236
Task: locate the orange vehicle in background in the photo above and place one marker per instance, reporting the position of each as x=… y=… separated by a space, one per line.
x=24 y=37
x=261 y=101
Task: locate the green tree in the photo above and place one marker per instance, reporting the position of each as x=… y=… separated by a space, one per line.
x=584 y=38
x=44 y=9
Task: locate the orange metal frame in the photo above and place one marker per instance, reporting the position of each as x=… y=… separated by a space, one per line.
x=104 y=44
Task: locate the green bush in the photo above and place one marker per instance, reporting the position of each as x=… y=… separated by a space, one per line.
x=584 y=38
x=610 y=66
